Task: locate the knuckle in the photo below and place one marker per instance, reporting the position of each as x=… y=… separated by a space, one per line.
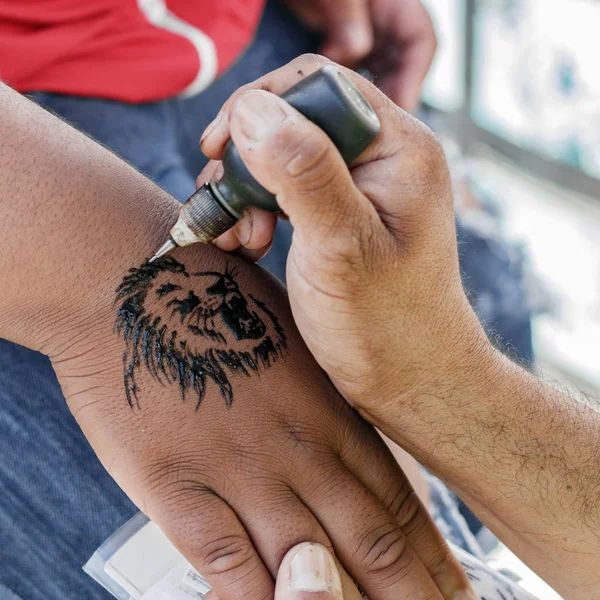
x=307 y=159
x=186 y=498
x=310 y=58
x=168 y=480
x=437 y=564
x=408 y=514
x=430 y=157
x=227 y=554
x=327 y=480
x=383 y=549
x=259 y=84
x=308 y=438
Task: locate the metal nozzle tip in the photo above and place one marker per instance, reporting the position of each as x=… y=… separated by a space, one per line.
x=164 y=249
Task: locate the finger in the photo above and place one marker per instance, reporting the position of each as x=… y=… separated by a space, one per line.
x=254 y=255
x=366 y=538
x=253 y=231
x=278 y=82
x=277 y=521
x=208 y=533
x=228 y=241
x=296 y=161
x=404 y=83
x=348 y=30
x=380 y=473
x=216 y=129
x=213 y=170
x=413 y=34
x=404 y=145
x=393 y=133
x=308 y=572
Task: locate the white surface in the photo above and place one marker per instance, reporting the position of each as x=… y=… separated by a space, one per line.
x=158 y=14
x=143 y=561
x=489 y=584
x=503 y=558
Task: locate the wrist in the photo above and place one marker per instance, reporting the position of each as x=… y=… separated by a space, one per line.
x=440 y=390
x=73 y=215
x=72 y=297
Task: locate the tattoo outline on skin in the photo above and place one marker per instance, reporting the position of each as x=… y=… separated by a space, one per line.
x=245 y=336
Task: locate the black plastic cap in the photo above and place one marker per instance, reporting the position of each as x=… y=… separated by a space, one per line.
x=329 y=99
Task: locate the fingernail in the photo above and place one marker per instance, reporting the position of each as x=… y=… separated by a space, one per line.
x=244 y=228
x=313 y=570
x=211 y=127
x=259 y=114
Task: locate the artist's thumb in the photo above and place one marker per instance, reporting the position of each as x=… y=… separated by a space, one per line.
x=308 y=572
x=348 y=31
x=295 y=160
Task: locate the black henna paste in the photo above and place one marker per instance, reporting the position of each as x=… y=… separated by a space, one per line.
x=199 y=327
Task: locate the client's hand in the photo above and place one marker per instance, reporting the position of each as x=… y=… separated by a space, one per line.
x=235 y=442
x=373 y=268
x=191 y=382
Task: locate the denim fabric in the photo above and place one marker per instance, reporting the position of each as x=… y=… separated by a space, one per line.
x=57 y=503
x=493 y=277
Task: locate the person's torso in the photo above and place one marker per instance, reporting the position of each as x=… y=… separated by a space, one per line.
x=128 y=50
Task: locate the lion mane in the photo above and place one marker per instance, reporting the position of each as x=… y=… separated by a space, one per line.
x=191 y=328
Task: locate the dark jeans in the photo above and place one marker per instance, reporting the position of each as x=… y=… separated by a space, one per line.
x=57 y=504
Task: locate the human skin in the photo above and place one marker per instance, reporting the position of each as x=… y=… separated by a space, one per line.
x=395 y=39
x=235 y=476
x=307 y=572
x=375 y=290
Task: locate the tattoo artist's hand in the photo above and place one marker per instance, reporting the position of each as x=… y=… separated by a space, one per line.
x=373 y=271
x=395 y=39
x=307 y=572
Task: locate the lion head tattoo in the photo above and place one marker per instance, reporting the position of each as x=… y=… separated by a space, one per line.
x=192 y=328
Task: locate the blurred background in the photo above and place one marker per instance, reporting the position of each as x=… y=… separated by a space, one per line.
x=514 y=92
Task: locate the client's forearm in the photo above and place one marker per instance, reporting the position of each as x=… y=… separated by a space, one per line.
x=524 y=455
x=72 y=214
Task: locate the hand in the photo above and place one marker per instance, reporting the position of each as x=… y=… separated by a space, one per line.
x=395 y=39
x=235 y=443
x=373 y=269
x=191 y=382
x=307 y=572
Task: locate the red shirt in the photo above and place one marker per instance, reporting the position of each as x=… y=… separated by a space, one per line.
x=129 y=50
